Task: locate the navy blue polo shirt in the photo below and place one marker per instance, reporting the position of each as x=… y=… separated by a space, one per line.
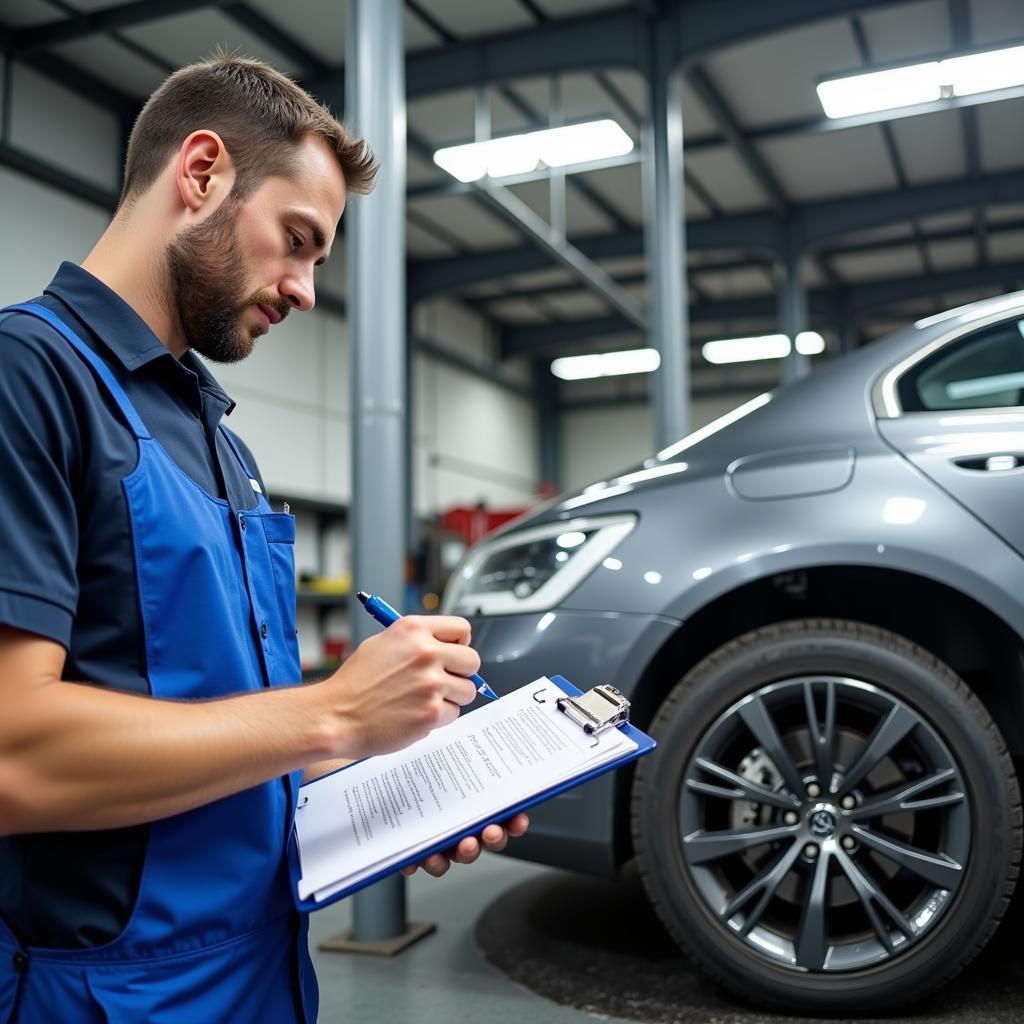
x=67 y=569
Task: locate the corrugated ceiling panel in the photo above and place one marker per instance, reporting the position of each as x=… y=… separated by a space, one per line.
x=870 y=266
x=695 y=208
x=952 y=221
x=633 y=87
x=418 y=35
x=539 y=279
x=953 y=254
x=995 y=20
x=189 y=37
x=733 y=284
x=516 y=311
x=833 y=164
x=583 y=217
x=465 y=18
x=535 y=194
x=727 y=179
x=22 y=13
x=1004 y=212
x=773 y=78
x=900 y=32
x=881 y=234
x=696 y=119
x=466 y=219
x=319 y=25
x=443 y=120
x=1000 y=135
x=112 y=63
x=421 y=244
x=577 y=305
x=506 y=116
x=931 y=146
x=622 y=188
x=1006 y=246
x=572 y=8
x=419 y=171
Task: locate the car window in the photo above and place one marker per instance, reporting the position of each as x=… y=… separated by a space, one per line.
x=982 y=371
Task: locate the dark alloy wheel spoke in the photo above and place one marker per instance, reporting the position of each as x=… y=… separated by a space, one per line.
x=812 y=942
x=938 y=869
x=758 y=719
x=766 y=884
x=871 y=896
x=900 y=798
x=822 y=736
x=701 y=847
x=739 y=788
x=893 y=728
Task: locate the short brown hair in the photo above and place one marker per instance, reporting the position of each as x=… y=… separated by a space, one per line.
x=260 y=114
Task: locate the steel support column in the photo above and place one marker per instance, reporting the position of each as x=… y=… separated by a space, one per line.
x=548 y=434
x=793 y=309
x=375 y=238
x=665 y=240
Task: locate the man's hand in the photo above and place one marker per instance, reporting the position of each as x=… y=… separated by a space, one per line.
x=398 y=685
x=494 y=838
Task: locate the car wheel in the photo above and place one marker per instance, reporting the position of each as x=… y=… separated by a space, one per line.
x=831 y=820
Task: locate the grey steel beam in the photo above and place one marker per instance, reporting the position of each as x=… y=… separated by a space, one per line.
x=665 y=242
x=90 y=23
x=376 y=329
x=570 y=337
x=735 y=136
x=884 y=293
x=816 y=223
x=560 y=250
x=608 y=39
x=42 y=171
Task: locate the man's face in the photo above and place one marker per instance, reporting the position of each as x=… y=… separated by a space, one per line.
x=249 y=263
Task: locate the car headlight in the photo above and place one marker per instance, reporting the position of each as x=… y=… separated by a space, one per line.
x=534 y=569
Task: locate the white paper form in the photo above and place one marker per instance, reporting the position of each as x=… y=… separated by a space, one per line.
x=382 y=810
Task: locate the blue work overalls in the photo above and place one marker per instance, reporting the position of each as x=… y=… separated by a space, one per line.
x=213 y=936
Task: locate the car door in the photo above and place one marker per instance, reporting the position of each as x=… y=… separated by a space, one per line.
x=959 y=417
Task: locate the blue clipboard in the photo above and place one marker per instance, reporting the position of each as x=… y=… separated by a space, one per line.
x=645 y=744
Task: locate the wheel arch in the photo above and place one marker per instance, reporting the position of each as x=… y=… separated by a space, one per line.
x=984 y=650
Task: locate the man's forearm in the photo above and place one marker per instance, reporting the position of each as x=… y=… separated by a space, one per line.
x=79 y=757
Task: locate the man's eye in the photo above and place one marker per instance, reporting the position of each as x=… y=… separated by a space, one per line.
x=294 y=240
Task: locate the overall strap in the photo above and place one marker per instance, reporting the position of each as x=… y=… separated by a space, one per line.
x=99 y=366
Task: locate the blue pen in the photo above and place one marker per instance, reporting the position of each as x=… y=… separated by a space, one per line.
x=385 y=615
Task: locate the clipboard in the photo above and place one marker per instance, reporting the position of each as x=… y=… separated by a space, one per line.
x=644 y=745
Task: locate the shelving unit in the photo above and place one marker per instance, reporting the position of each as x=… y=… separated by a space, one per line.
x=321 y=550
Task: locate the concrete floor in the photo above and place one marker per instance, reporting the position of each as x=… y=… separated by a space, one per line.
x=442 y=978
x=543 y=927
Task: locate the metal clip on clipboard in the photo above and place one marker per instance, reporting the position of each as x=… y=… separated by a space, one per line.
x=600 y=708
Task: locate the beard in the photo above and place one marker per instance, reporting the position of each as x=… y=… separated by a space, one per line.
x=206 y=275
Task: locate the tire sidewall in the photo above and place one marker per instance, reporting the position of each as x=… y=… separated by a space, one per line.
x=933 y=692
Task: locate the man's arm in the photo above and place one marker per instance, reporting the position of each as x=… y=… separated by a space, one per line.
x=74 y=756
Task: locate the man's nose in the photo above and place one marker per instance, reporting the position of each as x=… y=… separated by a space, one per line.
x=299 y=291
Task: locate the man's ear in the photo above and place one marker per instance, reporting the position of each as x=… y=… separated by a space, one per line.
x=204 y=171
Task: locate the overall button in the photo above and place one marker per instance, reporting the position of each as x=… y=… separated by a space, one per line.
x=20 y=960
x=263 y=630
x=241 y=520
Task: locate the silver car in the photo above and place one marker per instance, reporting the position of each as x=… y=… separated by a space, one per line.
x=816 y=605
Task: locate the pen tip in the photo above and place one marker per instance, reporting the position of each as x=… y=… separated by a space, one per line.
x=363 y=596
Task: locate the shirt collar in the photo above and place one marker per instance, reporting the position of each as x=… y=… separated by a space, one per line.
x=123 y=332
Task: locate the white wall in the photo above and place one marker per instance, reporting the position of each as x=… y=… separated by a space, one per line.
x=596 y=443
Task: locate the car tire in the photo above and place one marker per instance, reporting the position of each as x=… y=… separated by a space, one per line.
x=828 y=892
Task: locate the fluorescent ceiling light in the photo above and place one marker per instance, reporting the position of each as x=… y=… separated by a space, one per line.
x=765 y=346
x=606 y=364
x=923 y=83
x=550 y=147
x=810 y=343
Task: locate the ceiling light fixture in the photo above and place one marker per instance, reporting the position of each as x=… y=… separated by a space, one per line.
x=550 y=147
x=927 y=82
x=765 y=346
x=606 y=364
